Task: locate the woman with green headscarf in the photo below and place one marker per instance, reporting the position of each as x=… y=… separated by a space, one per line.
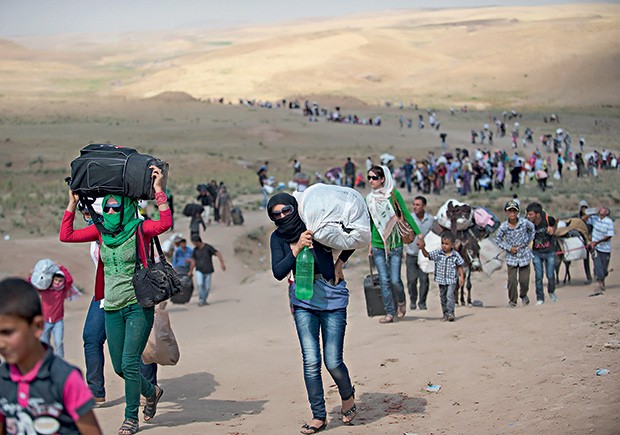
x=127 y=324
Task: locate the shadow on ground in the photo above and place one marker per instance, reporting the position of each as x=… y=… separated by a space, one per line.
x=188 y=396
x=375 y=406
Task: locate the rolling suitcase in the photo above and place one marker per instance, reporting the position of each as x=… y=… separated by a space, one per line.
x=372 y=293
x=237 y=216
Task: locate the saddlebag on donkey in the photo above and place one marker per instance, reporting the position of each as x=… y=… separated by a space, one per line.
x=104 y=169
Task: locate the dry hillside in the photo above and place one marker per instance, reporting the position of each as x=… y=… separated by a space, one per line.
x=562 y=55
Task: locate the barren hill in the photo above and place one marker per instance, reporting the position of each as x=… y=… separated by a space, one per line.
x=563 y=55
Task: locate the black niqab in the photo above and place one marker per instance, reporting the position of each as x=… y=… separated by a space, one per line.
x=290 y=226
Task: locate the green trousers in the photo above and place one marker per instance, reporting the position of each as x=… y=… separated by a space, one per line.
x=127 y=332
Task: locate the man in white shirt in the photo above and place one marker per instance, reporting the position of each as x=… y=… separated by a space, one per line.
x=414 y=274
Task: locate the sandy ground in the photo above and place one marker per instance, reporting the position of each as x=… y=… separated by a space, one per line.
x=516 y=371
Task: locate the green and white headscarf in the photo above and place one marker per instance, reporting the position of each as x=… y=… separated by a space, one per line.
x=111 y=221
x=381 y=210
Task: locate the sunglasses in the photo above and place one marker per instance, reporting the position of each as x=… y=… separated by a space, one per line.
x=284 y=211
x=111 y=207
x=373 y=177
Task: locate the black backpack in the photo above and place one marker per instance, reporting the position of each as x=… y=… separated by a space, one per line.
x=105 y=169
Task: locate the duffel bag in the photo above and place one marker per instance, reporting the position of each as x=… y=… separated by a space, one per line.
x=104 y=169
x=192 y=209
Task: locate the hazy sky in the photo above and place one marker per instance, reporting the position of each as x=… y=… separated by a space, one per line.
x=46 y=17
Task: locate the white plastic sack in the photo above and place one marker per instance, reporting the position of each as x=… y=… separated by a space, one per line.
x=338 y=216
x=461 y=223
x=42 y=273
x=573 y=248
x=432 y=241
x=491 y=256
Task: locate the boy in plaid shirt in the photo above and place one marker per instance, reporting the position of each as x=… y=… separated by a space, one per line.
x=448 y=263
x=514 y=237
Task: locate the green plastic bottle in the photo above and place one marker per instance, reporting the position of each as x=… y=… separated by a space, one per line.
x=304 y=277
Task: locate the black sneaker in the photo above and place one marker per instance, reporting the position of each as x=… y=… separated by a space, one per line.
x=525 y=300
x=451 y=318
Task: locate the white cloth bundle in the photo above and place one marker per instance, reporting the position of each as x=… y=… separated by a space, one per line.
x=573 y=248
x=491 y=256
x=338 y=216
x=432 y=241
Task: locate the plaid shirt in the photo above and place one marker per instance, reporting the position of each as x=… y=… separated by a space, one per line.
x=602 y=228
x=446 y=266
x=520 y=236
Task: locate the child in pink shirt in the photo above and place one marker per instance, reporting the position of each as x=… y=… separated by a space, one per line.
x=39 y=392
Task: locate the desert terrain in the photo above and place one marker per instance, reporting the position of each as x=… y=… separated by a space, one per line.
x=529 y=370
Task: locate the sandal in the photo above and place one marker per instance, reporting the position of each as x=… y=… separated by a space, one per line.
x=307 y=429
x=129 y=427
x=402 y=310
x=351 y=412
x=150 y=408
x=386 y=319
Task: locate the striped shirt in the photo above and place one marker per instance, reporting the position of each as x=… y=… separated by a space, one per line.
x=602 y=228
x=446 y=266
x=519 y=236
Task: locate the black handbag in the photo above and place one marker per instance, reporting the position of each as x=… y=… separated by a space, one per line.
x=158 y=282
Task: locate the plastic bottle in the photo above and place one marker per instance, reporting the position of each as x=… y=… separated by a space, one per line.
x=304 y=276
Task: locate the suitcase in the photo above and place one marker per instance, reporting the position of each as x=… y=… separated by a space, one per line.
x=187 y=287
x=372 y=293
x=237 y=216
x=103 y=169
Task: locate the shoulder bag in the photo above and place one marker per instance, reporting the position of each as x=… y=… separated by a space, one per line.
x=158 y=281
x=404 y=229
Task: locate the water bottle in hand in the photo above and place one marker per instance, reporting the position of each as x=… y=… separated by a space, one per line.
x=304 y=275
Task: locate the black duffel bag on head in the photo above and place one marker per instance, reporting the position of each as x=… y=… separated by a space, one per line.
x=158 y=282
x=105 y=169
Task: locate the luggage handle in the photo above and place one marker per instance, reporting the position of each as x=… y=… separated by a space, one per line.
x=370 y=263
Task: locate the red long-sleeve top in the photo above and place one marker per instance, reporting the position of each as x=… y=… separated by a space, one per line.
x=151 y=228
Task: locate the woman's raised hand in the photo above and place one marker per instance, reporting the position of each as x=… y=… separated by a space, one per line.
x=73 y=201
x=158 y=178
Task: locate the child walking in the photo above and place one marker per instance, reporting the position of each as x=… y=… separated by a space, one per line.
x=448 y=263
x=37 y=387
x=514 y=237
x=53 y=291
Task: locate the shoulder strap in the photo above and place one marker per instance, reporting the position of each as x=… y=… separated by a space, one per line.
x=147 y=249
x=397 y=210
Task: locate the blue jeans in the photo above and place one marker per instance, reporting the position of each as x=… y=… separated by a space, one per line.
x=263 y=203
x=389 y=276
x=544 y=263
x=58 y=330
x=330 y=325
x=203 y=282
x=94 y=338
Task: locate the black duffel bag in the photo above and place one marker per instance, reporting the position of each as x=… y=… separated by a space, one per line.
x=192 y=209
x=158 y=282
x=104 y=169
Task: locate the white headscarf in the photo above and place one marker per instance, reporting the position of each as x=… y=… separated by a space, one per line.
x=381 y=210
